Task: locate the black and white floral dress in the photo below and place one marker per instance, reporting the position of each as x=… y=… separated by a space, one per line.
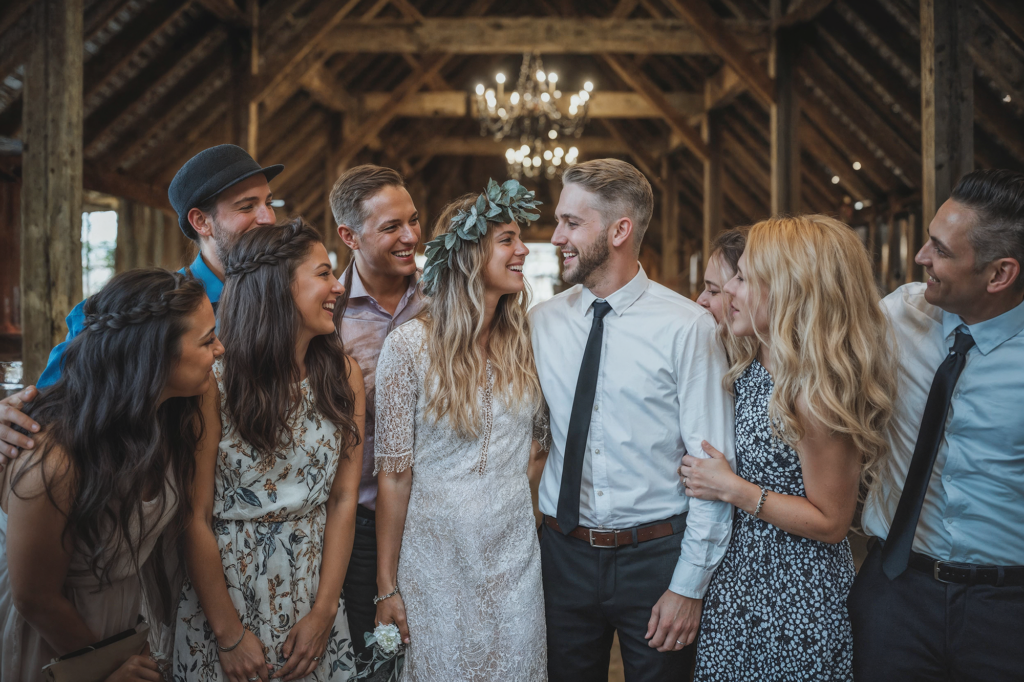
x=776 y=607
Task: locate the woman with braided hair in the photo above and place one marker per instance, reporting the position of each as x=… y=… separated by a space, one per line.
x=84 y=517
x=276 y=491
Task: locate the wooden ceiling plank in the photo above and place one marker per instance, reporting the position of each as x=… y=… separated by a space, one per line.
x=13 y=11
x=643 y=160
x=722 y=42
x=515 y=35
x=191 y=130
x=636 y=79
x=227 y=11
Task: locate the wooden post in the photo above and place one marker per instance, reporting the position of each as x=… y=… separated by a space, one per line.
x=669 y=228
x=947 y=101
x=785 y=117
x=51 y=199
x=711 y=131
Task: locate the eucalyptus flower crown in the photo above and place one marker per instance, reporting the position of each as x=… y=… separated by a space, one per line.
x=500 y=204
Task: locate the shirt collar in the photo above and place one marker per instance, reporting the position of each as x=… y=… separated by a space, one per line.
x=358 y=290
x=621 y=299
x=201 y=271
x=990 y=334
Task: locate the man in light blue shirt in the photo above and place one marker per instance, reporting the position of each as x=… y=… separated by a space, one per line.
x=219 y=194
x=952 y=605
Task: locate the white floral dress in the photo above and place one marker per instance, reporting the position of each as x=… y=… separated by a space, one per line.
x=269 y=521
x=469 y=568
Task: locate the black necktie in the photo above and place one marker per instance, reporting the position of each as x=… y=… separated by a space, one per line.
x=896 y=552
x=579 y=424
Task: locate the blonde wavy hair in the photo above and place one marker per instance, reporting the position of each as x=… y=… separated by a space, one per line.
x=453 y=318
x=829 y=340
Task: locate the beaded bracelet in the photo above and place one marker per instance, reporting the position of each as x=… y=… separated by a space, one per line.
x=233 y=646
x=377 y=600
x=760 y=502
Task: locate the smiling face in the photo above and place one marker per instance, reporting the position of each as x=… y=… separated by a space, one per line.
x=386 y=243
x=712 y=298
x=200 y=346
x=748 y=309
x=955 y=284
x=315 y=290
x=503 y=273
x=581 y=235
x=238 y=209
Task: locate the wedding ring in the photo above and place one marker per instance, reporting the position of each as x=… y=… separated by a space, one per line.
x=680 y=643
x=253 y=679
x=316 y=658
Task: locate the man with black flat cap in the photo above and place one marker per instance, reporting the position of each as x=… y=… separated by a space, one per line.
x=219 y=194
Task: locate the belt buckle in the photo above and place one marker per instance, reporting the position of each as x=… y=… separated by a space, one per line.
x=614 y=534
x=935 y=572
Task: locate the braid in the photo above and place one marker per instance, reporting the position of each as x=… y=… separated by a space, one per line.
x=277 y=250
x=177 y=300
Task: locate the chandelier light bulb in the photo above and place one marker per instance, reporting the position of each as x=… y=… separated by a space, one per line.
x=856 y=165
x=559 y=151
x=525 y=149
x=510 y=155
x=536 y=161
x=553 y=77
x=500 y=78
x=859 y=205
x=558 y=93
x=527 y=162
x=584 y=96
x=573 y=109
x=573 y=151
x=480 y=88
x=547 y=155
x=541 y=76
x=557 y=161
x=835 y=179
x=545 y=97
x=574 y=100
x=552 y=134
x=588 y=86
x=514 y=98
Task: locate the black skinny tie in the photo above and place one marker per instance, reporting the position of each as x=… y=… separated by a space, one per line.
x=896 y=552
x=579 y=424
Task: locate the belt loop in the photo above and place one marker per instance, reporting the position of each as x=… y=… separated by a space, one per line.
x=635 y=541
x=1000 y=576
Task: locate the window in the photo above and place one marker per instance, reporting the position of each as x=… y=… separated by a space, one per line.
x=99 y=240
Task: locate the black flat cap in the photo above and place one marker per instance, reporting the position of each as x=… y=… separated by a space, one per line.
x=209 y=173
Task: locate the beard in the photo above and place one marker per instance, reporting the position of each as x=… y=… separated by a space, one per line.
x=589 y=261
x=223 y=241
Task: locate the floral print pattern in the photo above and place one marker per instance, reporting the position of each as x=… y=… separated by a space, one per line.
x=269 y=519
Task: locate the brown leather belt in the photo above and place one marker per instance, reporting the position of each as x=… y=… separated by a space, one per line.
x=615 y=538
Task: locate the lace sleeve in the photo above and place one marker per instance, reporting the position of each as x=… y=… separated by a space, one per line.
x=542 y=426
x=396 y=407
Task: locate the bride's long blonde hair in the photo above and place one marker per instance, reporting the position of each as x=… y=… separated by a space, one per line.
x=454 y=318
x=829 y=340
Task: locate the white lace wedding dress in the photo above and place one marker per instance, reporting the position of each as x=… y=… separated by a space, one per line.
x=469 y=569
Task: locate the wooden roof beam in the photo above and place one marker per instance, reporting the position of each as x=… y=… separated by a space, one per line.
x=632 y=75
x=998 y=56
x=647 y=165
x=515 y=35
x=485 y=146
x=227 y=11
x=722 y=41
x=815 y=144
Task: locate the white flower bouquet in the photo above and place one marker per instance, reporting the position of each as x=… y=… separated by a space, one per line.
x=385 y=644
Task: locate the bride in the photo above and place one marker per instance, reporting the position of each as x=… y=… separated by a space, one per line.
x=459 y=403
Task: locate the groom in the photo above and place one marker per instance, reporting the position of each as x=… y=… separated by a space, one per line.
x=632 y=375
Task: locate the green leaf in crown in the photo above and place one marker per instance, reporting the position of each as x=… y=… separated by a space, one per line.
x=499 y=204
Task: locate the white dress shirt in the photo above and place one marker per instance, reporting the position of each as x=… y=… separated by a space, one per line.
x=659 y=394
x=972 y=512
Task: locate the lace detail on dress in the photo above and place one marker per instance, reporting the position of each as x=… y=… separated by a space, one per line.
x=396 y=396
x=487 y=414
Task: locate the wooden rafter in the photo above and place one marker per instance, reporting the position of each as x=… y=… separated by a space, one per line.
x=636 y=79
x=722 y=42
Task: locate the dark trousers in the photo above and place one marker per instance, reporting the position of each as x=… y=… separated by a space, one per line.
x=917 y=628
x=361 y=580
x=590 y=593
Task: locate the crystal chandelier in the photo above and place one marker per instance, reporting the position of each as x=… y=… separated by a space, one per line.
x=533 y=114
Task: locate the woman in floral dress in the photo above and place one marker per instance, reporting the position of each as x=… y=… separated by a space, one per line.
x=275 y=500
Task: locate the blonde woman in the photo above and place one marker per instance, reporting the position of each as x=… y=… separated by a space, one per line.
x=814 y=398
x=458 y=406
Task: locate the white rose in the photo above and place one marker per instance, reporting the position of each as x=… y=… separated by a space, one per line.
x=388 y=638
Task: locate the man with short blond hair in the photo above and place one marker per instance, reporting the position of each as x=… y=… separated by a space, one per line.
x=632 y=375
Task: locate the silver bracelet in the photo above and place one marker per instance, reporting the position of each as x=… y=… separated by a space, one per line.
x=392 y=593
x=760 y=502
x=233 y=646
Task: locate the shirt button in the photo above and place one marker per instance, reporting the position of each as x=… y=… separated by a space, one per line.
x=597 y=408
x=597 y=452
x=957 y=395
x=600 y=493
x=948 y=478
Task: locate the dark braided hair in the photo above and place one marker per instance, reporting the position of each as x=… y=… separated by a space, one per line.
x=104 y=415
x=259 y=327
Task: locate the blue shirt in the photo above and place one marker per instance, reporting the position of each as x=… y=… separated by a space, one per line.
x=974 y=509
x=76 y=319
